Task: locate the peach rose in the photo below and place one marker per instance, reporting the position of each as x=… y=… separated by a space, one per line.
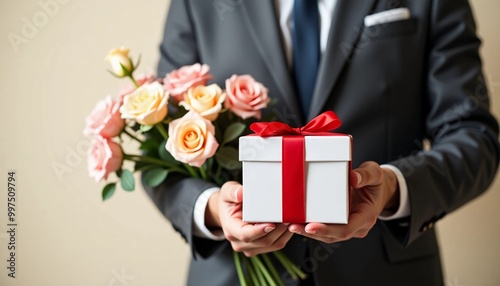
x=191 y=139
x=105 y=156
x=206 y=100
x=129 y=87
x=245 y=96
x=146 y=105
x=180 y=80
x=121 y=64
x=105 y=119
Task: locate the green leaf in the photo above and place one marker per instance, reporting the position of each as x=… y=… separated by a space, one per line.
x=227 y=157
x=146 y=128
x=165 y=155
x=108 y=191
x=155 y=177
x=149 y=146
x=233 y=131
x=136 y=64
x=113 y=74
x=127 y=180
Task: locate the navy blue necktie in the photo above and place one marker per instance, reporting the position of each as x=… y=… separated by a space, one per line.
x=306 y=52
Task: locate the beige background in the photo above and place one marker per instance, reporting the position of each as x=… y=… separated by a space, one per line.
x=66 y=235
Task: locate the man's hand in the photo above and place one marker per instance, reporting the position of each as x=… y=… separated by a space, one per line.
x=225 y=210
x=373 y=189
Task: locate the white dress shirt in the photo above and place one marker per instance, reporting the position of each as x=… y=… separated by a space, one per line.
x=284 y=9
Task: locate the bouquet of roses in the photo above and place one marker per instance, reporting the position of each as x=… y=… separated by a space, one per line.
x=182 y=126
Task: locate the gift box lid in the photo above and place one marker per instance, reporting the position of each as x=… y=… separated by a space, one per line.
x=318 y=148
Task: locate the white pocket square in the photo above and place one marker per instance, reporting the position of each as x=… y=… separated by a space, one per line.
x=387 y=16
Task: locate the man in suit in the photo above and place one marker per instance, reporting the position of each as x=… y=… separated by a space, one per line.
x=396 y=80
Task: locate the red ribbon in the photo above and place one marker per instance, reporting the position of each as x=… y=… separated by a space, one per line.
x=293 y=159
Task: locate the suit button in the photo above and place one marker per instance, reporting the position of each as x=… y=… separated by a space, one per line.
x=431 y=224
x=424 y=228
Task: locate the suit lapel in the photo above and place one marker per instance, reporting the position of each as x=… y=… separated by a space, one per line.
x=260 y=18
x=345 y=31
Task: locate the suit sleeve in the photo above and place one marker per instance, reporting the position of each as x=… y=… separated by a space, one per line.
x=464 y=153
x=176 y=197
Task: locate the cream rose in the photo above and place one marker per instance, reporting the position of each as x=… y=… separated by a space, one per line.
x=121 y=64
x=105 y=156
x=105 y=119
x=129 y=87
x=246 y=96
x=146 y=105
x=206 y=100
x=191 y=139
x=180 y=80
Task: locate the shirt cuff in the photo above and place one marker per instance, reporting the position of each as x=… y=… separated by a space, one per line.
x=404 y=208
x=199 y=228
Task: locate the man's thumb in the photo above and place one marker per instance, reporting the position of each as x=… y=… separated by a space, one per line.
x=232 y=192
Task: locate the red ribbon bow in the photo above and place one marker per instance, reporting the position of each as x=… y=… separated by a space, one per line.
x=324 y=122
x=293 y=159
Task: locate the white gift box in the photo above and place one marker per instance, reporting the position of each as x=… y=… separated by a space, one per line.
x=327 y=166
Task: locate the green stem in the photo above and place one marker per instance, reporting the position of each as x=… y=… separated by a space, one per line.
x=297 y=270
x=178 y=170
x=145 y=168
x=161 y=129
x=145 y=159
x=260 y=275
x=133 y=80
x=191 y=171
x=132 y=136
x=272 y=269
x=285 y=264
x=239 y=270
x=251 y=271
x=203 y=173
x=264 y=271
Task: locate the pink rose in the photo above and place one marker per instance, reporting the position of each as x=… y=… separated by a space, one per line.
x=105 y=156
x=179 y=81
x=245 y=96
x=130 y=87
x=105 y=119
x=191 y=139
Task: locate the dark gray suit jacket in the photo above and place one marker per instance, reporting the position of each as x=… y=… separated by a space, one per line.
x=393 y=85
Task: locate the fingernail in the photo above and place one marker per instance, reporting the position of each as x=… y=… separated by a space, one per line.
x=235 y=194
x=312 y=231
x=358 y=175
x=297 y=231
x=268 y=229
